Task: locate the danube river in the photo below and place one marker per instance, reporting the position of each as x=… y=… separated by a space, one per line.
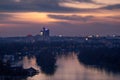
x=68 y=67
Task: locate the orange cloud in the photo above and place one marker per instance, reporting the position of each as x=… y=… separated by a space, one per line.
x=32 y=17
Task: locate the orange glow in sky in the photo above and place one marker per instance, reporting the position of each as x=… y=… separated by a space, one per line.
x=60 y=14
x=32 y=17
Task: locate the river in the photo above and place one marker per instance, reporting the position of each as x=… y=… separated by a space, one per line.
x=70 y=68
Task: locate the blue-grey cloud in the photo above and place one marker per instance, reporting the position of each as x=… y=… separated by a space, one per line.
x=34 y=5
x=112 y=7
x=39 y=6
x=46 y=6
x=72 y=17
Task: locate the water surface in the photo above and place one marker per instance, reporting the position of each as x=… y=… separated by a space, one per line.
x=70 y=68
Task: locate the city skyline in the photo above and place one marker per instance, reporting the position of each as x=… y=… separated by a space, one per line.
x=62 y=17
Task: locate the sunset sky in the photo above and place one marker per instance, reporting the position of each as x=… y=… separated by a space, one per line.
x=65 y=17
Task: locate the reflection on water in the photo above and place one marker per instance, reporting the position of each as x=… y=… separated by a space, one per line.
x=69 y=68
x=30 y=62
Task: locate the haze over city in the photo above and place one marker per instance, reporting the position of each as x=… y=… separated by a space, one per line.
x=65 y=17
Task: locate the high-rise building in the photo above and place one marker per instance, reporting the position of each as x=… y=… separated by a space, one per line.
x=45 y=33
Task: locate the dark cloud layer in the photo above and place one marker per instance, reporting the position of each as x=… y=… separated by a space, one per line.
x=72 y=17
x=34 y=5
x=42 y=6
x=111 y=7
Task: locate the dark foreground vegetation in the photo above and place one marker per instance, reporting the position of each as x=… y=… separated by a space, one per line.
x=101 y=58
x=7 y=70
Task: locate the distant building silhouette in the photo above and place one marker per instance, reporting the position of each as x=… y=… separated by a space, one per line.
x=45 y=33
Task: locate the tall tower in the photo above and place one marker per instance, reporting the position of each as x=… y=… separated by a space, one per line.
x=45 y=33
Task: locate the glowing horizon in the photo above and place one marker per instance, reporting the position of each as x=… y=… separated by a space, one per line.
x=58 y=15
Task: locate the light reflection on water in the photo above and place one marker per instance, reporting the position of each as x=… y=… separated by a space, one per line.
x=30 y=62
x=69 y=68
